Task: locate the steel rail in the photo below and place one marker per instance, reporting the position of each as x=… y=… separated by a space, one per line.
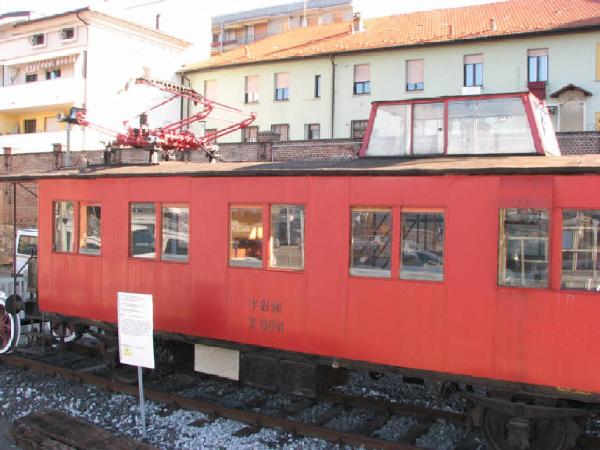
x=252 y=418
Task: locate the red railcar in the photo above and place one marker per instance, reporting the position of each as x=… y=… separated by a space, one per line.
x=478 y=271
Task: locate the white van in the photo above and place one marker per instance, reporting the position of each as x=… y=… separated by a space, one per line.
x=26 y=246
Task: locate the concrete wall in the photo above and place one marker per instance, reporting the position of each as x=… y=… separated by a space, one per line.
x=504 y=70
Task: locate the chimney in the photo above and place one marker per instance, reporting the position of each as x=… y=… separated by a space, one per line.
x=450 y=30
x=493 y=26
x=357 y=23
x=246 y=51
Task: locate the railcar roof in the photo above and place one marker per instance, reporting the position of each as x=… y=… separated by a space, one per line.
x=465 y=165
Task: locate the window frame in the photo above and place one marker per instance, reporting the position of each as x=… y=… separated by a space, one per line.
x=317 y=86
x=53 y=74
x=472 y=67
x=538 y=59
x=80 y=205
x=281 y=94
x=66 y=30
x=361 y=87
x=502 y=251
x=422 y=210
x=255 y=97
x=286 y=125
x=264 y=210
x=308 y=132
x=392 y=239
x=158 y=238
x=75 y=249
x=417 y=86
x=365 y=122
x=30 y=122
x=36 y=37
x=160 y=253
x=248 y=129
x=31 y=77
x=269 y=230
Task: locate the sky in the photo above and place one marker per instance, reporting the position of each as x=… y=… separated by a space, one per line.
x=190 y=19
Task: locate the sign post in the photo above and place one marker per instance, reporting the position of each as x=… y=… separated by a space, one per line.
x=136 y=338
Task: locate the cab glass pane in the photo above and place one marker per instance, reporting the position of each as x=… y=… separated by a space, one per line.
x=422 y=243
x=175 y=232
x=245 y=248
x=90 y=217
x=143 y=230
x=523 y=255
x=390 y=135
x=580 y=250
x=64 y=226
x=287 y=237
x=371 y=242
x=428 y=129
x=496 y=126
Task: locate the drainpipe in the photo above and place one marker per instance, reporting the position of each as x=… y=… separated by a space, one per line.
x=85 y=81
x=189 y=84
x=332 y=95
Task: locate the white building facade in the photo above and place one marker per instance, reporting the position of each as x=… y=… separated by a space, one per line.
x=84 y=59
x=329 y=95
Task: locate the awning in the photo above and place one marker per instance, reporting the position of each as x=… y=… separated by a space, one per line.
x=49 y=63
x=41 y=56
x=571 y=87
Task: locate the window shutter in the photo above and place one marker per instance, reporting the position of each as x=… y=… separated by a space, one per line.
x=538 y=52
x=282 y=80
x=415 y=71
x=252 y=83
x=474 y=59
x=597 y=62
x=362 y=72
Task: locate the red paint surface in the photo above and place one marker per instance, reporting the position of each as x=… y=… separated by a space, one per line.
x=464 y=325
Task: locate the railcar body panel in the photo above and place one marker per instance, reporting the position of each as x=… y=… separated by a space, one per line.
x=466 y=324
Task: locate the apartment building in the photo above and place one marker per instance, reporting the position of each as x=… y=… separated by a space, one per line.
x=82 y=58
x=230 y=31
x=319 y=81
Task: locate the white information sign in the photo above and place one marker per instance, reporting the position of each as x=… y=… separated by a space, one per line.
x=136 y=329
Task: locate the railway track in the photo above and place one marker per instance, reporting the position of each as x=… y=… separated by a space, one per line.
x=252 y=413
x=362 y=436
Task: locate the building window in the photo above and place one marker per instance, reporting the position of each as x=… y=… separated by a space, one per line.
x=415 y=75
x=37 y=39
x=312 y=131
x=287 y=237
x=537 y=65
x=142 y=230
x=580 y=250
x=31 y=77
x=422 y=254
x=207 y=135
x=175 y=236
x=90 y=233
x=523 y=254
x=473 y=70
x=317 y=86
x=283 y=130
x=246 y=234
x=52 y=74
x=216 y=38
x=370 y=241
x=358 y=128
x=30 y=125
x=362 y=77
x=67 y=34
x=210 y=89
x=64 y=226
x=250 y=134
x=282 y=86
x=251 y=89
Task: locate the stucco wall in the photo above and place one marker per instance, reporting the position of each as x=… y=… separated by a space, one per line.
x=572 y=59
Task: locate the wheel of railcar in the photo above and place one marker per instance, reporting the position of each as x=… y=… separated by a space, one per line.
x=7 y=330
x=505 y=432
x=66 y=332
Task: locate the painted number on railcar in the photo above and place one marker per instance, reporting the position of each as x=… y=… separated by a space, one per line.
x=262 y=316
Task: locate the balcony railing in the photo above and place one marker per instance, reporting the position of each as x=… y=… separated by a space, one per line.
x=41 y=93
x=40 y=142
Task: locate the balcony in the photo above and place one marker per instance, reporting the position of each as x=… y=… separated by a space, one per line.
x=41 y=94
x=40 y=142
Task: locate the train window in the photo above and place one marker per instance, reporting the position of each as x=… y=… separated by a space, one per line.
x=371 y=241
x=581 y=250
x=64 y=226
x=523 y=254
x=422 y=254
x=175 y=232
x=287 y=237
x=246 y=234
x=428 y=129
x=142 y=230
x=90 y=229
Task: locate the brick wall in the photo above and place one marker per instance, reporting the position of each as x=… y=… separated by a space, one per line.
x=577 y=143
